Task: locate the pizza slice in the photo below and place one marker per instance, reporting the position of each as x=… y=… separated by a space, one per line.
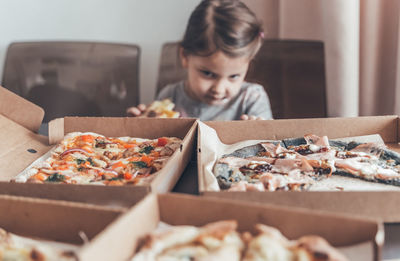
x=370 y=162
x=215 y=241
x=367 y=161
x=270 y=245
x=264 y=174
x=161 y=109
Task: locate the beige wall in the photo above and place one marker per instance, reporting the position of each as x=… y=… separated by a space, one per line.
x=268 y=12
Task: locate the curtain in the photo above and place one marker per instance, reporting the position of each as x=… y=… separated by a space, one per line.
x=362 y=48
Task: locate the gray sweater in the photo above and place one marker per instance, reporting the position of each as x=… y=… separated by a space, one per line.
x=251 y=100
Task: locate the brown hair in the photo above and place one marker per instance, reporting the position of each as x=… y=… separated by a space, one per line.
x=222 y=25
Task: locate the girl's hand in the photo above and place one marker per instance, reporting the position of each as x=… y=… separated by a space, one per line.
x=136 y=111
x=246 y=117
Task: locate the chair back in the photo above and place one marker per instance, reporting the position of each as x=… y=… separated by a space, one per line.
x=293 y=74
x=74 y=78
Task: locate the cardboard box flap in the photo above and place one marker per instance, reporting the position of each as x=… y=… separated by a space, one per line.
x=231 y=132
x=20 y=110
x=63 y=220
x=128 y=127
x=56 y=130
x=379 y=205
x=106 y=245
x=19 y=147
x=123 y=196
x=292 y=222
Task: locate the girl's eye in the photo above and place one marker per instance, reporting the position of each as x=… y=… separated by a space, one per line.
x=234 y=76
x=208 y=74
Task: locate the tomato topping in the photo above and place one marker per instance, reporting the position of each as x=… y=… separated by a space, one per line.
x=87 y=138
x=86 y=164
x=162 y=141
x=147 y=160
x=129 y=145
x=134 y=159
x=40 y=176
x=155 y=154
x=62 y=167
x=118 y=164
x=127 y=175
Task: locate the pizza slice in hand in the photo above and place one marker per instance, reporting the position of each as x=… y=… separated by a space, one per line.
x=161 y=109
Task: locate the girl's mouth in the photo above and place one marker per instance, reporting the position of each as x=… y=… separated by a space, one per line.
x=217 y=100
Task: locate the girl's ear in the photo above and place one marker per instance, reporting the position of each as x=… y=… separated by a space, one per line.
x=183 y=57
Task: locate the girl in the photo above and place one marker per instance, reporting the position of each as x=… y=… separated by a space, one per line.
x=221 y=39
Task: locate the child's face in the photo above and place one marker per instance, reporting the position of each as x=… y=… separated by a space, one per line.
x=214 y=79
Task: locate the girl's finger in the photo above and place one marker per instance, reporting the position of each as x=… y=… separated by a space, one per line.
x=133 y=111
x=244 y=117
x=141 y=107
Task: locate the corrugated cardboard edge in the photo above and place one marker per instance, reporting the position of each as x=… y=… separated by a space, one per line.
x=20 y=110
x=139 y=220
x=56 y=130
x=200 y=178
x=176 y=167
x=122 y=196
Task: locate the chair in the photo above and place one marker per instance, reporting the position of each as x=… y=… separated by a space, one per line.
x=74 y=78
x=170 y=70
x=292 y=73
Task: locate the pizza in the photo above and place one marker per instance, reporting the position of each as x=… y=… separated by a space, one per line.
x=298 y=164
x=91 y=158
x=270 y=244
x=14 y=247
x=161 y=109
x=221 y=241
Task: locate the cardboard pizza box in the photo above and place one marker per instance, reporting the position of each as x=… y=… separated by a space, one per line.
x=59 y=222
x=21 y=145
x=359 y=239
x=381 y=205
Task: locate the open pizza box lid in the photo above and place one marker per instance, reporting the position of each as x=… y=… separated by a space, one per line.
x=21 y=145
x=359 y=239
x=378 y=204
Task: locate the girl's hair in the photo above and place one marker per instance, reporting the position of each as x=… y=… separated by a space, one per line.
x=222 y=25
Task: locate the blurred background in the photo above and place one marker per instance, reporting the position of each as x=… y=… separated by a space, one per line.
x=357 y=73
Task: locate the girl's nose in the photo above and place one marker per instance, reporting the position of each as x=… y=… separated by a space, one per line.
x=219 y=87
